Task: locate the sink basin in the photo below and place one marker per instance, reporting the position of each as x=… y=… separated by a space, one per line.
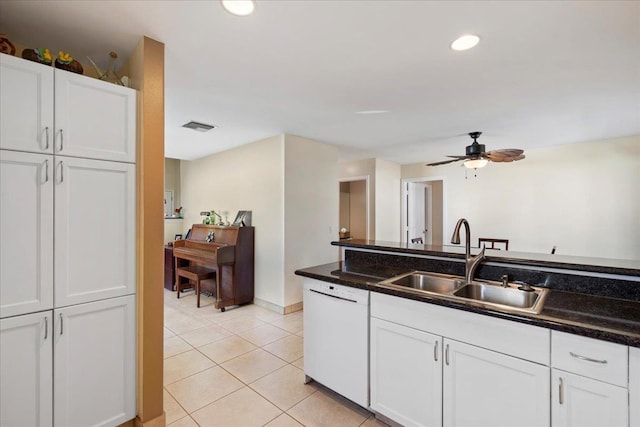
x=486 y=294
x=428 y=282
x=498 y=295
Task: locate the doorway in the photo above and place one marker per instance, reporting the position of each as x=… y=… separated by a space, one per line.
x=423 y=207
x=354 y=207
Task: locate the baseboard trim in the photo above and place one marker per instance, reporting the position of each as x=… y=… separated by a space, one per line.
x=160 y=421
x=278 y=308
x=293 y=308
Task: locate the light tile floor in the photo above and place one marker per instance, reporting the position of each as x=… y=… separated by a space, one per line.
x=243 y=368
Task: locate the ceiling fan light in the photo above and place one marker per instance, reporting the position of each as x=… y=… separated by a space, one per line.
x=239 y=7
x=476 y=163
x=465 y=42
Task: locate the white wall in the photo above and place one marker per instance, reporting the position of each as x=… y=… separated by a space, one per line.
x=311 y=197
x=249 y=177
x=584 y=198
x=387 y=201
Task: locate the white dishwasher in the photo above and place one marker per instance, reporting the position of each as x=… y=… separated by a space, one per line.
x=336 y=338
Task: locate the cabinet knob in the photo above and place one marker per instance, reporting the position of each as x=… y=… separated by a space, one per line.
x=46 y=139
x=435 y=351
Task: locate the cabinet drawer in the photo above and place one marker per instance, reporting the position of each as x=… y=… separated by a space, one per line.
x=589 y=357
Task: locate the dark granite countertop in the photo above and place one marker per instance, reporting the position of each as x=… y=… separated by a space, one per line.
x=608 y=319
x=594 y=265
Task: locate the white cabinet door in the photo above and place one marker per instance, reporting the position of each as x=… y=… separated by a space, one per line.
x=26 y=103
x=94 y=119
x=634 y=386
x=485 y=388
x=26 y=227
x=95 y=230
x=406 y=374
x=584 y=402
x=94 y=363
x=26 y=370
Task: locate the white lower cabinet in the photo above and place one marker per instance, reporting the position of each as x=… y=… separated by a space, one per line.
x=634 y=386
x=585 y=402
x=94 y=363
x=26 y=348
x=486 y=388
x=422 y=374
x=72 y=367
x=406 y=374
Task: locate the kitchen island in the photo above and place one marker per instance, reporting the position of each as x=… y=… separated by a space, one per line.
x=434 y=361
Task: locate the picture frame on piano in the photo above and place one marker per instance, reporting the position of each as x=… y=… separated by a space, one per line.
x=243 y=218
x=177 y=237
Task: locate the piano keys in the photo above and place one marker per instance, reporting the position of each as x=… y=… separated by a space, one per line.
x=230 y=255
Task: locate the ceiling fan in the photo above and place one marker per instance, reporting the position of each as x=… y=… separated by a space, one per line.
x=477 y=157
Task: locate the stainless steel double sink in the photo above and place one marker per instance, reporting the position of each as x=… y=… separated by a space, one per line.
x=479 y=293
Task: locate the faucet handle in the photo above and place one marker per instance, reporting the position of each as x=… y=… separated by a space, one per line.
x=505 y=280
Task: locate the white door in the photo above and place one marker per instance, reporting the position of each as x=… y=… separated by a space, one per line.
x=26 y=227
x=406 y=374
x=485 y=388
x=26 y=103
x=95 y=230
x=94 y=119
x=634 y=386
x=583 y=402
x=416 y=212
x=26 y=370
x=94 y=363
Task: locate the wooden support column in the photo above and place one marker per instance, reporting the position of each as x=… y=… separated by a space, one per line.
x=146 y=69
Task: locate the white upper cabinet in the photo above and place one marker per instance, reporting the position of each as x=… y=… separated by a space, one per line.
x=26 y=372
x=26 y=103
x=94 y=119
x=26 y=227
x=95 y=363
x=95 y=230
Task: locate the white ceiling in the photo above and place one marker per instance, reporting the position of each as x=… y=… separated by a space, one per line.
x=544 y=73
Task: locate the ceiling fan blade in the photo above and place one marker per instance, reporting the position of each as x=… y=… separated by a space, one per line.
x=507 y=152
x=444 y=162
x=506 y=159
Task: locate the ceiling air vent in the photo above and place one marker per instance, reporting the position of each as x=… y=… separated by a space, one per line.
x=200 y=127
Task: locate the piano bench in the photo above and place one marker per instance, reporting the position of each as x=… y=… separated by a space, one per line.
x=197 y=274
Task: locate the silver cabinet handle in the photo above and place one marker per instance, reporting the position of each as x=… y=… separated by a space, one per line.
x=46 y=170
x=61 y=172
x=46 y=133
x=446 y=354
x=561 y=391
x=46 y=327
x=435 y=351
x=61 y=140
x=588 y=359
x=60 y=323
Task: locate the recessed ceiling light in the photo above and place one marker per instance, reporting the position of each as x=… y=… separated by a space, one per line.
x=372 y=112
x=239 y=7
x=465 y=42
x=200 y=127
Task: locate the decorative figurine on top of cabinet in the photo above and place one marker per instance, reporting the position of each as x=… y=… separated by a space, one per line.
x=65 y=61
x=6 y=46
x=39 y=54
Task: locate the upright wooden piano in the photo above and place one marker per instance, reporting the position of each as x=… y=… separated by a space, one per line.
x=230 y=254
